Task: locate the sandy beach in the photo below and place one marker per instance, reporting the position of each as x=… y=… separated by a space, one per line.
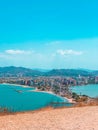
x=24 y=86
x=79 y=118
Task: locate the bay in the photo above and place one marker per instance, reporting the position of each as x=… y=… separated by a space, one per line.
x=89 y=90
x=18 y=98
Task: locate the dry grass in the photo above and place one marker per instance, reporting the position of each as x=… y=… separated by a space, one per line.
x=79 y=118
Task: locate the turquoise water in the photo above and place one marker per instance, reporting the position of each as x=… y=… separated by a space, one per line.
x=17 y=98
x=90 y=90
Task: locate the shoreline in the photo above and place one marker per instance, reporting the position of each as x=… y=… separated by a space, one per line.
x=70 y=100
x=36 y=90
x=24 y=86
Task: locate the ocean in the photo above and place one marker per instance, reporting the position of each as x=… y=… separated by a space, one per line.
x=89 y=90
x=18 y=98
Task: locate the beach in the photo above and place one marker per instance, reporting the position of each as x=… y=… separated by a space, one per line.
x=77 y=118
x=24 y=86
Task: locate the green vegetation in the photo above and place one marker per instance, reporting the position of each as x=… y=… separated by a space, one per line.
x=12 y=71
x=75 y=96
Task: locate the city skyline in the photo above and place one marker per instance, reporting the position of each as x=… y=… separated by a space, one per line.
x=54 y=34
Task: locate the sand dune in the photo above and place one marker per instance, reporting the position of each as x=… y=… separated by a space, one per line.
x=79 y=118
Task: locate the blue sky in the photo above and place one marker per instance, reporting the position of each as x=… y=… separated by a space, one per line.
x=49 y=34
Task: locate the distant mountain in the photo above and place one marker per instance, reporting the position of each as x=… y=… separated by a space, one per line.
x=12 y=71
x=88 y=70
x=68 y=72
x=95 y=73
x=41 y=70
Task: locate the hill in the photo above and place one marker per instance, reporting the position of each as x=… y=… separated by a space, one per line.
x=68 y=72
x=13 y=71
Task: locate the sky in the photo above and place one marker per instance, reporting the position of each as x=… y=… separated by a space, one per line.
x=49 y=34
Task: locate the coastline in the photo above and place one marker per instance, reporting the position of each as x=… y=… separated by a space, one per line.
x=24 y=86
x=36 y=90
x=50 y=92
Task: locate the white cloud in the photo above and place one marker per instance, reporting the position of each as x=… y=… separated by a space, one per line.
x=69 y=52
x=14 y=52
